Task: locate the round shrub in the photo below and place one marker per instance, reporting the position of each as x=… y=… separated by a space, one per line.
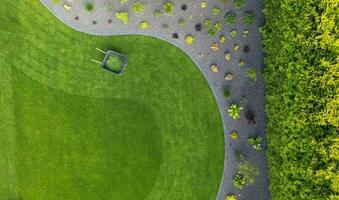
x=138 y=7
x=144 y=25
x=239 y=3
x=189 y=39
x=230 y=18
x=249 y=17
x=168 y=7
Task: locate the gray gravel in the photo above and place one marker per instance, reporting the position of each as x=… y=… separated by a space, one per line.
x=241 y=85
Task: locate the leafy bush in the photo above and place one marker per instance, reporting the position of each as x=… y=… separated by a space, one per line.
x=230 y=18
x=301 y=73
x=255 y=142
x=122 y=16
x=138 y=7
x=168 y=7
x=234 y=111
x=249 y=17
x=239 y=181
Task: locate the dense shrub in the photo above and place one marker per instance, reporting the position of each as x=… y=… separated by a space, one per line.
x=302 y=88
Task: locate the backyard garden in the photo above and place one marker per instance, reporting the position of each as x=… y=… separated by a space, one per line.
x=170 y=100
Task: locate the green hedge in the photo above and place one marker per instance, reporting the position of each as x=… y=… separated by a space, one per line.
x=302 y=91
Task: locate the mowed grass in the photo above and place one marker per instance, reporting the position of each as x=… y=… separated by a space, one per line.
x=70 y=130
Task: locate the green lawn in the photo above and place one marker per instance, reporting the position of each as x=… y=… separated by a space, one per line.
x=70 y=130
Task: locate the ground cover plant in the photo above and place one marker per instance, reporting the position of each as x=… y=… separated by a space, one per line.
x=301 y=57
x=70 y=130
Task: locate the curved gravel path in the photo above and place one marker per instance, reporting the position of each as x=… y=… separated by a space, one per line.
x=103 y=22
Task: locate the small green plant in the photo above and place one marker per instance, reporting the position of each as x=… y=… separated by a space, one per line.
x=138 y=7
x=216 y=11
x=218 y=26
x=234 y=34
x=222 y=39
x=239 y=3
x=182 y=22
x=239 y=181
x=234 y=135
x=89 y=7
x=227 y=92
x=246 y=174
x=122 y=16
x=255 y=142
x=166 y=27
x=203 y=4
x=168 y=7
x=209 y=27
x=234 y=111
x=189 y=39
x=231 y=197
x=144 y=25
x=249 y=17
x=157 y=13
x=230 y=18
x=252 y=74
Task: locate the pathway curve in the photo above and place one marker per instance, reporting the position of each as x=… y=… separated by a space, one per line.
x=102 y=21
